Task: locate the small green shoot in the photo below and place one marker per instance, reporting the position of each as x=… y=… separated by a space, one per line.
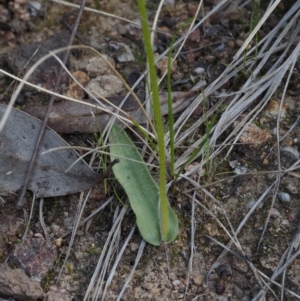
x=255 y=17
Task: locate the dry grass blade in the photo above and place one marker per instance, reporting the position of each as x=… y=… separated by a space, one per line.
x=116 y=263
x=243 y=99
x=265 y=66
x=250 y=91
x=80 y=209
x=138 y=257
x=96 y=286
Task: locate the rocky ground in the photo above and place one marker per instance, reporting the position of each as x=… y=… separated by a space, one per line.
x=29 y=270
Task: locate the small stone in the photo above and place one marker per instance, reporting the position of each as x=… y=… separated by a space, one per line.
x=289 y=155
x=38 y=235
x=74 y=90
x=198 y=280
x=57 y=294
x=36 y=256
x=172 y=276
x=58 y=242
x=199 y=70
x=291 y=217
x=284 y=197
x=134 y=246
x=176 y=282
x=214 y=30
x=231 y=44
x=271 y=111
x=105 y=86
x=122 y=51
x=290 y=151
x=274 y=212
x=17 y=284
x=54 y=228
x=292 y=188
x=98 y=66
x=254 y=136
x=33 y=8
x=195 y=35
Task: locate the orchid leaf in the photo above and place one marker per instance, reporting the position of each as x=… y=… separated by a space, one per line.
x=140 y=187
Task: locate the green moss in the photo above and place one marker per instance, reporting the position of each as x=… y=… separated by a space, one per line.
x=48 y=280
x=69 y=268
x=93 y=250
x=5 y=239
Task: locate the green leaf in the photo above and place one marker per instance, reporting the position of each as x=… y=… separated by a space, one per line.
x=140 y=187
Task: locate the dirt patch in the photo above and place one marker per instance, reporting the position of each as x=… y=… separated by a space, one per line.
x=211 y=213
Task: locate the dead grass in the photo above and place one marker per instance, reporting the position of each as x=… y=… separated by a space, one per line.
x=236 y=110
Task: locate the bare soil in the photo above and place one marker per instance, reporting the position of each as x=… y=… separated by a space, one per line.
x=166 y=272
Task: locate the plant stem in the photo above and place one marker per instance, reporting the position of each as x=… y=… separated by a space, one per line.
x=158 y=120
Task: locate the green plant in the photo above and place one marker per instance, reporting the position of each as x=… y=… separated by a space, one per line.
x=163 y=201
x=255 y=17
x=142 y=191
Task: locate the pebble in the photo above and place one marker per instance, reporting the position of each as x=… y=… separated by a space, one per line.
x=198 y=280
x=291 y=217
x=176 y=282
x=199 y=70
x=55 y=228
x=123 y=52
x=58 y=242
x=231 y=44
x=254 y=136
x=40 y=257
x=38 y=235
x=58 y=294
x=74 y=90
x=290 y=151
x=292 y=188
x=33 y=8
x=271 y=111
x=284 y=197
x=134 y=246
x=97 y=66
x=15 y=283
x=105 y=85
x=274 y=212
